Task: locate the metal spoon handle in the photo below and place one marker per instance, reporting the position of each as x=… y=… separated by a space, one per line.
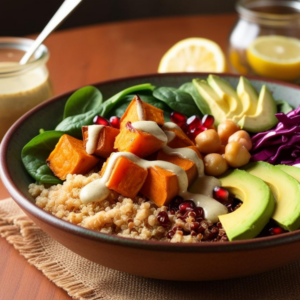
x=60 y=15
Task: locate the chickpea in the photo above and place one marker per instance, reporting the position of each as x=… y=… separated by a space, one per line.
x=208 y=141
x=241 y=137
x=236 y=154
x=215 y=164
x=226 y=129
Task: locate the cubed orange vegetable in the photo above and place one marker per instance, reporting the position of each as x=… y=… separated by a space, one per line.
x=149 y=113
x=126 y=177
x=106 y=140
x=136 y=141
x=180 y=140
x=160 y=186
x=70 y=157
x=187 y=165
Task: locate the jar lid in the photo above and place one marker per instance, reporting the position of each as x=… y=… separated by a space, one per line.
x=270 y=12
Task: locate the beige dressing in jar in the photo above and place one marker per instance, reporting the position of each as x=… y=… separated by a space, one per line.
x=21 y=87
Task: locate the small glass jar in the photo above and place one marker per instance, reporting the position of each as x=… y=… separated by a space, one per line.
x=21 y=86
x=260 y=18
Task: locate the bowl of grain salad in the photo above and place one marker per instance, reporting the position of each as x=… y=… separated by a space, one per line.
x=163 y=176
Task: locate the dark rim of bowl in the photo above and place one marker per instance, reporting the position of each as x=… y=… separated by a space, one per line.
x=27 y=205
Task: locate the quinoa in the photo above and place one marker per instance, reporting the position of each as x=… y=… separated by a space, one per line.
x=135 y=218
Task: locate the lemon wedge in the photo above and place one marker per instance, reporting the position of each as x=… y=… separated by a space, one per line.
x=275 y=57
x=193 y=55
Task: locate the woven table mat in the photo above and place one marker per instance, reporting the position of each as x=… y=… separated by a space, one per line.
x=83 y=279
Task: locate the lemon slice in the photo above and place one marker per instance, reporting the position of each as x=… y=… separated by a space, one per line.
x=275 y=57
x=193 y=55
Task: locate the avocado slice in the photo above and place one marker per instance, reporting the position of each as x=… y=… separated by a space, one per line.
x=264 y=117
x=258 y=205
x=286 y=191
x=226 y=92
x=215 y=105
x=292 y=171
x=248 y=95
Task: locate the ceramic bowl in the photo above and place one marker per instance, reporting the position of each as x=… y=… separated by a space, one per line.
x=162 y=260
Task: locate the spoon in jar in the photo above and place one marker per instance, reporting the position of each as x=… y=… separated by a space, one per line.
x=65 y=9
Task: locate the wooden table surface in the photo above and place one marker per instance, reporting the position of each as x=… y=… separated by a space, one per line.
x=87 y=55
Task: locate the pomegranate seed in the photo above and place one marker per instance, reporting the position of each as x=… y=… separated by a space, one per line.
x=195 y=226
x=220 y=194
x=174 y=205
x=199 y=212
x=115 y=122
x=163 y=218
x=193 y=122
x=208 y=121
x=100 y=121
x=195 y=131
x=178 y=118
x=276 y=230
x=187 y=205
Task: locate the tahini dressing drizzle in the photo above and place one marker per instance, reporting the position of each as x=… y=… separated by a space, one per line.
x=93 y=136
x=98 y=191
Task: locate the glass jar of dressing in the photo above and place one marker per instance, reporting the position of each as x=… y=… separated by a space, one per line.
x=260 y=21
x=21 y=86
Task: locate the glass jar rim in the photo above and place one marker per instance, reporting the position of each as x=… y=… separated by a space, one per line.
x=245 y=9
x=40 y=56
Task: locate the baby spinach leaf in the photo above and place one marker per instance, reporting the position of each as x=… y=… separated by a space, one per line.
x=35 y=153
x=189 y=88
x=72 y=125
x=177 y=100
x=283 y=106
x=83 y=100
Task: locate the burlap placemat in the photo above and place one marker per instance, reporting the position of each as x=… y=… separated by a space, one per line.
x=82 y=279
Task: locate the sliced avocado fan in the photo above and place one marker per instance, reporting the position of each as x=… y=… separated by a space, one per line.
x=286 y=191
x=264 y=117
x=252 y=112
x=248 y=96
x=226 y=92
x=292 y=171
x=215 y=105
x=258 y=205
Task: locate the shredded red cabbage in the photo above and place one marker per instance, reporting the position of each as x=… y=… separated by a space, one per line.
x=280 y=145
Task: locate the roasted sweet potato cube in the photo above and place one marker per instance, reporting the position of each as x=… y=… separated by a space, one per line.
x=180 y=139
x=136 y=141
x=187 y=165
x=138 y=110
x=70 y=157
x=105 y=140
x=126 y=177
x=160 y=186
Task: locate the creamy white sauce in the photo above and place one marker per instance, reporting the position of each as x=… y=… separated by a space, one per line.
x=170 y=125
x=188 y=154
x=204 y=185
x=93 y=136
x=98 y=191
x=140 y=110
x=212 y=208
x=151 y=128
x=170 y=135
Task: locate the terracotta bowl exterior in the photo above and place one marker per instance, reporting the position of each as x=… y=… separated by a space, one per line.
x=161 y=260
